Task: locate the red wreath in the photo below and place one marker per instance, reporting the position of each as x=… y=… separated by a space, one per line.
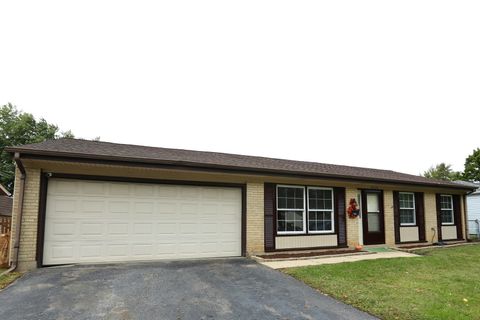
x=353 y=209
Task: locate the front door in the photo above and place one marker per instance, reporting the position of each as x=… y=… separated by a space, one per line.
x=372 y=217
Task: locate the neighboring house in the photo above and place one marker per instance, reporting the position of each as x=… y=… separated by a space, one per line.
x=473 y=212
x=6 y=202
x=88 y=201
x=473 y=208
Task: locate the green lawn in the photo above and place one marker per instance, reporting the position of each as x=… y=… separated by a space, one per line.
x=7 y=279
x=443 y=284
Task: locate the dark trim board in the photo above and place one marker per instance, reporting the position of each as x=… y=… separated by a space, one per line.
x=42 y=209
x=43 y=201
x=223 y=169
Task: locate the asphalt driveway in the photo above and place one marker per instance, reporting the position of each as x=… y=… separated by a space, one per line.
x=214 y=289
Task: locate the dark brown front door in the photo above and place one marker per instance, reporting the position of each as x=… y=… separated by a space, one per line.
x=372 y=217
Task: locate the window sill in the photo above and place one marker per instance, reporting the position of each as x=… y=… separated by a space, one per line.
x=407 y=225
x=305 y=234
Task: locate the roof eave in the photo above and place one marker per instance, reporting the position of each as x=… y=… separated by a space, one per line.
x=80 y=156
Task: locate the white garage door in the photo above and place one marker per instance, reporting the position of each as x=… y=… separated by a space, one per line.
x=97 y=221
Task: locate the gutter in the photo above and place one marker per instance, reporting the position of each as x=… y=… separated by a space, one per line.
x=16 y=243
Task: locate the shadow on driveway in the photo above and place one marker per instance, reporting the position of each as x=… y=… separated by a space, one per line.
x=207 y=289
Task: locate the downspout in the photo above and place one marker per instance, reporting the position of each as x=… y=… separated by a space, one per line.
x=16 y=243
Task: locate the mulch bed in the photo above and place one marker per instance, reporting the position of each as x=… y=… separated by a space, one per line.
x=306 y=254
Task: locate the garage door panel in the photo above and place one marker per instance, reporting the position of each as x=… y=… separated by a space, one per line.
x=119 y=189
x=93 y=206
x=120 y=221
x=65 y=206
x=119 y=206
x=97 y=189
x=117 y=229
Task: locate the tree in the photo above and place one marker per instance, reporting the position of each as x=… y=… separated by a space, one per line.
x=17 y=128
x=472 y=166
x=443 y=171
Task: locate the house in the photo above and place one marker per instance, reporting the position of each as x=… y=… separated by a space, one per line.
x=473 y=209
x=6 y=203
x=473 y=213
x=89 y=201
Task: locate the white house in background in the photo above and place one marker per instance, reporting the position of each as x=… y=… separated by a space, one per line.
x=473 y=209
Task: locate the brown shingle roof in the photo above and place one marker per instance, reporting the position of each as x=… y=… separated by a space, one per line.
x=6 y=204
x=200 y=159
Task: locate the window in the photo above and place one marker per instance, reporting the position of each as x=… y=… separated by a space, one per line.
x=290 y=209
x=446 y=209
x=407 y=208
x=320 y=210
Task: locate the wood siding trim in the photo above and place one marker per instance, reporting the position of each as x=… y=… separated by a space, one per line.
x=42 y=210
x=396 y=215
x=439 y=217
x=269 y=216
x=457 y=211
x=340 y=216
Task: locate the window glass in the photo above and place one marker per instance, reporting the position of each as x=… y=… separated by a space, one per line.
x=372 y=202
x=446 y=209
x=320 y=210
x=290 y=198
x=290 y=209
x=407 y=208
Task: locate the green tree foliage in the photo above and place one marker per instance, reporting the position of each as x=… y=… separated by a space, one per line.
x=472 y=166
x=443 y=171
x=17 y=128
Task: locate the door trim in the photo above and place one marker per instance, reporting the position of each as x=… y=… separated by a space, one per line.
x=42 y=210
x=365 y=217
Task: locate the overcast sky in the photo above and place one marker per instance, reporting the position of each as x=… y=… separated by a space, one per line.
x=393 y=85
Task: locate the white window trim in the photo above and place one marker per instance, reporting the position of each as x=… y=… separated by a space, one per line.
x=302 y=210
x=414 y=210
x=451 y=210
x=332 y=214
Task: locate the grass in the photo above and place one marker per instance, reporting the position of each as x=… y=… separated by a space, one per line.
x=443 y=284
x=7 y=279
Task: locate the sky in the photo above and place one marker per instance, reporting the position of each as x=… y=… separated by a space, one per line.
x=383 y=84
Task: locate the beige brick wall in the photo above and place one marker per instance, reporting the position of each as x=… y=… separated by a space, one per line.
x=353 y=225
x=255 y=222
x=389 y=221
x=430 y=217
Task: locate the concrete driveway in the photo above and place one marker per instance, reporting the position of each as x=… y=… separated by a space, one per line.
x=213 y=289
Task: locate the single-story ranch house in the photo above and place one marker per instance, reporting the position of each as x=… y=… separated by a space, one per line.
x=88 y=202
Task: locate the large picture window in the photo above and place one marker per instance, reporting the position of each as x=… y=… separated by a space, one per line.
x=446 y=209
x=301 y=209
x=407 y=208
x=320 y=210
x=290 y=209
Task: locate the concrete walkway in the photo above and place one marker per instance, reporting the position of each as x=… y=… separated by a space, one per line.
x=331 y=260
